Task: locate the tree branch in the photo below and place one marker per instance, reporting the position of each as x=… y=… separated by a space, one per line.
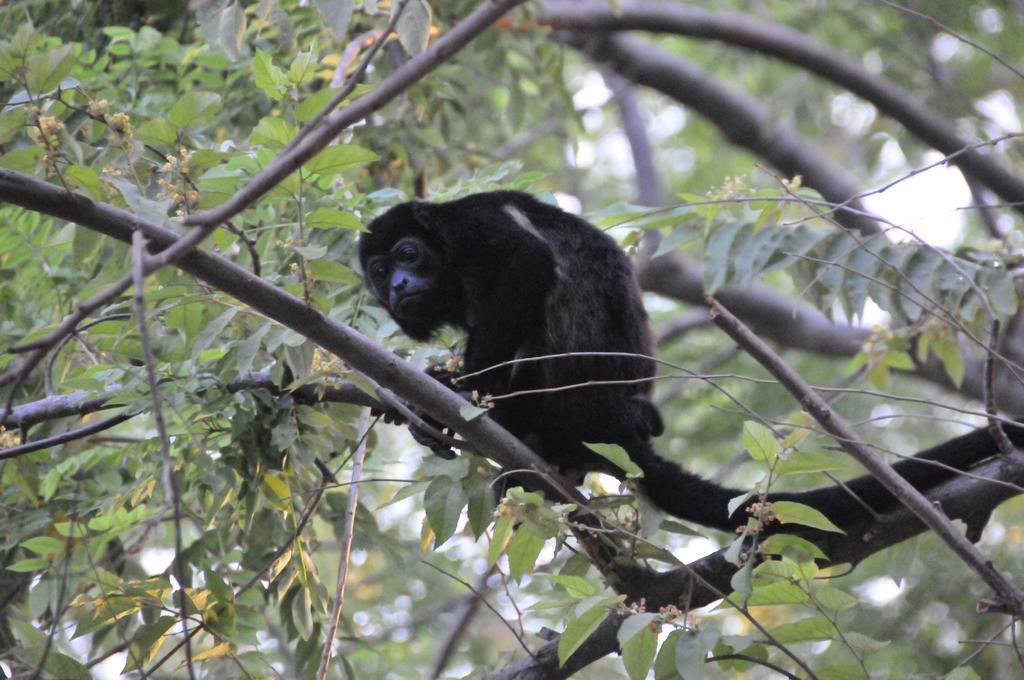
x=739 y=116
x=806 y=328
x=1010 y=597
x=787 y=44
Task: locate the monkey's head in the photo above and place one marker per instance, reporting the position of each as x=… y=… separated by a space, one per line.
x=406 y=268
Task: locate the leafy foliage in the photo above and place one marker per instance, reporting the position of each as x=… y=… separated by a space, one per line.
x=165 y=114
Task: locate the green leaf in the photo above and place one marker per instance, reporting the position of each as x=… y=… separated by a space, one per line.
x=278 y=486
x=44 y=545
x=337 y=158
x=692 y=651
x=86 y=178
x=314 y=103
x=328 y=270
x=158 y=132
x=443 y=502
x=223 y=27
x=268 y=77
x=804 y=630
x=60 y=665
x=735 y=503
x=47 y=69
x=71 y=529
x=947 y=350
x=789 y=512
x=577 y=630
x=792 y=546
x=273 y=132
x=413 y=26
x=779 y=592
x=802 y=462
x=303 y=68
x=634 y=625
x=12 y=123
x=212 y=332
x=248 y=347
x=147 y=641
x=742 y=581
x=503 y=529
x=833 y=599
x=665 y=663
x=717 y=255
x=29 y=565
x=23 y=159
x=760 y=442
x=617 y=455
x=576 y=586
x=850 y=671
x=336 y=13
x=329 y=218
x=639 y=650
x=480 y=507
x=311 y=252
x=193 y=107
x=522 y=551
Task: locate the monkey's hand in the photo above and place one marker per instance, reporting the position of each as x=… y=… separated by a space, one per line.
x=443 y=448
x=424 y=429
x=440 y=448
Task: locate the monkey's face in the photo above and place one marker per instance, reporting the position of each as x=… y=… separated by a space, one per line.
x=408 y=280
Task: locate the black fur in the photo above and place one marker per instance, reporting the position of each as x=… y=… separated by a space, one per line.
x=525 y=279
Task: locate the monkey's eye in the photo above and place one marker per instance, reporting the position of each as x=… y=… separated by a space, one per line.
x=407 y=253
x=378 y=270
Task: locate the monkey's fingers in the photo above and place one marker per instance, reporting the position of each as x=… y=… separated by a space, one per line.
x=426 y=439
x=392 y=416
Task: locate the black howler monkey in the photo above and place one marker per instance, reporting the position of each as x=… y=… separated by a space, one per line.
x=526 y=279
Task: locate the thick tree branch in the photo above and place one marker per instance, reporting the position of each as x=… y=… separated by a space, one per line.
x=796 y=325
x=81 y=403
x=740 y=117
x=789 y=45
x=648 y=183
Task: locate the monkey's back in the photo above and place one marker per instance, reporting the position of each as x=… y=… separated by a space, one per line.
x=594 y=306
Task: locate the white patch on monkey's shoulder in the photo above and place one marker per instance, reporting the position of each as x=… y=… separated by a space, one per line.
x=521 y=219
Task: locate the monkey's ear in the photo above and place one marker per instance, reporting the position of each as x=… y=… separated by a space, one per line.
x=423 y=213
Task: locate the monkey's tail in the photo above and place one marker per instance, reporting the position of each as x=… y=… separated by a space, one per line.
x=692 y=498
x=683 y=494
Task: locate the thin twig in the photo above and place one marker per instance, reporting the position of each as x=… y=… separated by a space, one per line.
x=469 y=609
x=946 y=29
x=50 y=391
x=64 y=437
x=170 y=481
x=753 y=660
x=994 y=427
x=352 y=81
x=469 y=586
x=348 y=531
